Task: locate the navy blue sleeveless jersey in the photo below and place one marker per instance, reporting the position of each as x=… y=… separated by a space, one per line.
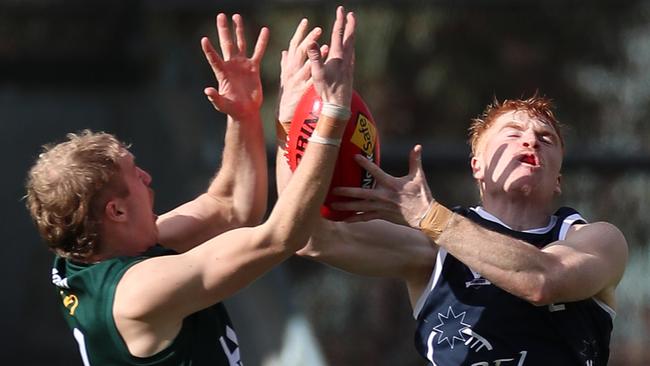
x=462 y=319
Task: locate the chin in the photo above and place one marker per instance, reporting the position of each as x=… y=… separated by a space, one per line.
x=522 y=186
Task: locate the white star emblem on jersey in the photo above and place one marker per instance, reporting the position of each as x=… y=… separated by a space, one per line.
x=451 y=327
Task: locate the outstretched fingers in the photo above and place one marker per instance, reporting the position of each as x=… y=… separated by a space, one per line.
x=225 y=39
x=260 y=45
x=304 y=70
x=240 y=37
x=355 y=192
x=298 y=36
x=381 y=176
x=312 y=36
x=316 y=62
x=212 y=56
x=336 y=42
x=348 y=37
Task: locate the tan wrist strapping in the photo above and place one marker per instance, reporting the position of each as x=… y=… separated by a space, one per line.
x=436 y=220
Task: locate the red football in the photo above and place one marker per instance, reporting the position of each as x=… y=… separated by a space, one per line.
x=360 y=137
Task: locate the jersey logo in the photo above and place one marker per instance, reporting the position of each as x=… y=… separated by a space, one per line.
x=234 y=359
x=70 y=302
x=589 y=351
x=478 y=280
x=57 y=280
x=479 y=342
x=450 y=328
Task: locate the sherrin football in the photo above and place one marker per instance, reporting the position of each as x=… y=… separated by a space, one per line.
x=360 y=137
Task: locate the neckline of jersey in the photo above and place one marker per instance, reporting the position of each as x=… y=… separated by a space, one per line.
x=488 y=216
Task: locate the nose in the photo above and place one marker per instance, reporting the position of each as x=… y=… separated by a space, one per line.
x=529 y=139
x=144 y=176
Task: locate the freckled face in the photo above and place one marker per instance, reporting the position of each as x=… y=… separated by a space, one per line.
x=519 y=152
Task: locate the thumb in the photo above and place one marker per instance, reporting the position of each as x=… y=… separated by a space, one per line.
x=415 y=161
x=213 y=96
x=324 y=51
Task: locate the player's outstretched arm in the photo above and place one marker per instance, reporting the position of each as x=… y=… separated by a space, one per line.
x=237 y=195
x=589 y=262
x=375 y=248
x=295 y=78
x=155 y=295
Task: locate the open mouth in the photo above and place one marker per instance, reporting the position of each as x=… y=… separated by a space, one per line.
x=529 y=159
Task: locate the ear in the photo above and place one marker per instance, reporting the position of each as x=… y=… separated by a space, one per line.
x=477 y=168
x=115 y=210
x=558 y=185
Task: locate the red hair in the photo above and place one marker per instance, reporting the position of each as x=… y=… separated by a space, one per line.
x=537 y=106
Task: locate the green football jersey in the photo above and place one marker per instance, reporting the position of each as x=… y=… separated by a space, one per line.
x=87 y=292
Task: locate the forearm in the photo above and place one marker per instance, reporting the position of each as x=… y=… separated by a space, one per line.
x=241 y=182
x=282 y=170
x=236 y=196
x=376 y=248
x=513 y=265
x=297 y=208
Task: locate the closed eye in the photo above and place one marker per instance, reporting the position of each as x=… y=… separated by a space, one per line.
x=512 y=131
x=547 y=139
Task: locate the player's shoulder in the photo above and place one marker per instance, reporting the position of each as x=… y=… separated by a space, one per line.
x=604 y=229
x=599 y=237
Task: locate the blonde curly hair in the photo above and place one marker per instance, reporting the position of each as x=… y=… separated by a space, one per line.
x=68 y=187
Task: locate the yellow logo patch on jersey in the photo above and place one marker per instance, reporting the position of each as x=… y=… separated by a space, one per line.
x=70 y=302
x=365 y=135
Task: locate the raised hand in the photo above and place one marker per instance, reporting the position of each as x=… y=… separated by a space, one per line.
x=295 y=71
x=333 y=78
x=402 y=200
x=239 y=92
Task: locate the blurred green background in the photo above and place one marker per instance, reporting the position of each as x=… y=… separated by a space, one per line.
x=135 y=68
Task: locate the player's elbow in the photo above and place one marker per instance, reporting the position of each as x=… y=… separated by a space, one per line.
x=284 y=238
x=538 y=293
x=248 y=215
x=542 y=289
x=254 y=216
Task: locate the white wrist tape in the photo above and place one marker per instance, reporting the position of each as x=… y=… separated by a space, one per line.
x=315 y=138
x=336 y=111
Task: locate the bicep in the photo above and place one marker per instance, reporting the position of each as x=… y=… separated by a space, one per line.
x=172 y=287
x=589 y=261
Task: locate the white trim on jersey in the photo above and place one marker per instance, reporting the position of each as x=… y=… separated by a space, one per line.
x=566 y=224
x=488 y=216
x=433 y=280
x=605 y=307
